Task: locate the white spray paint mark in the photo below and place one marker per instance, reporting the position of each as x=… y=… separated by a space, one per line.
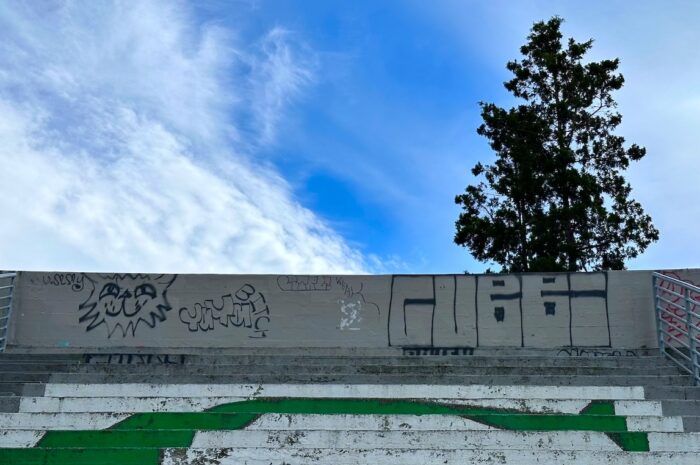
x=351 y=314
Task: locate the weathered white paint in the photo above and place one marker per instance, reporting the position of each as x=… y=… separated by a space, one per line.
x=367 y=391
x=417 y=440
x=198 y=404
x=680 y=442
x=335 y=311
x=59 y=421
x=122 y=404
x=638 y=408
x=287 y=422
x=408 y=456
x=10 y=438
x=663 y=424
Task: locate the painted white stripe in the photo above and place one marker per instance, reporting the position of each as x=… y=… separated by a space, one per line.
x=198 y=404
x=395 y=391
x=121 y=405
x=661 y=424
x=266 y=456
x=417 y=440
x=638 y=407
x=680 y=442
x=19 y=438
x=287 y=422
x=59 y=421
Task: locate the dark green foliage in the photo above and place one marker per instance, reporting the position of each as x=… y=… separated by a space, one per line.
x=555 y=198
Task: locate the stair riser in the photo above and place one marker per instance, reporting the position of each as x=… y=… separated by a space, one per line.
x=582 y=380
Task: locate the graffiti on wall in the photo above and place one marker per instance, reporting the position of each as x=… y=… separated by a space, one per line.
x=352 y=304
x=73 y=280
x=134 y=359
x=445 y=310
x=437 y=351
x=245 y=308
x=596 y=352
x=121 y=303
x=674 y=314
x=292 y=283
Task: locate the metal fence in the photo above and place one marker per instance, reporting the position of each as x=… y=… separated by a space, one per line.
x=7 y=287
x=677 y=306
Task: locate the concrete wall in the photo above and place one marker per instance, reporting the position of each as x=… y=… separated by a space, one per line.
x=102 y=311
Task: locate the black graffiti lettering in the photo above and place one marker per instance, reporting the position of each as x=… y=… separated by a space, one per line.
x=245 y=292
x=595 y=352
x=242 y=315
x=575 y=294
x=304 y=283
x=406 y=295
x=74 y=280
x=416 y=351
x=246 y=308
x=499 y=313
x=134 y=359
x=511 y=296
x=550 y=308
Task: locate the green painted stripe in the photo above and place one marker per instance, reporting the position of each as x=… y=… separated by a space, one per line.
x=598 y=407
x=507 y=419
x=632 y=441
x=192 y=420
x=154 y=431
x=108 y=438
x=39 y=456
x=600 y=423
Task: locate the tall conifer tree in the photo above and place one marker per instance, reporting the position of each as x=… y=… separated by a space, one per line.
x=555 y=198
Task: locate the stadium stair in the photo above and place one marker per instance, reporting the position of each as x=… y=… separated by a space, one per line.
x=342 y=407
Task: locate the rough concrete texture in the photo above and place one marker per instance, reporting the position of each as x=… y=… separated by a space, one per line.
x=187 y=412
x=75 y=311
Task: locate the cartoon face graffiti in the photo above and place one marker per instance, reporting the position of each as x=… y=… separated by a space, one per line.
x=123 y=302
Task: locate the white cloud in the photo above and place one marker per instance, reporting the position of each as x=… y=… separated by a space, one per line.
x=119 y=149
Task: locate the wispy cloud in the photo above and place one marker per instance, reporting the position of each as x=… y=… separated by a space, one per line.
x=124 y=144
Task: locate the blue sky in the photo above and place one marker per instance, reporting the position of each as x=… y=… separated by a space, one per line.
x=300 y=136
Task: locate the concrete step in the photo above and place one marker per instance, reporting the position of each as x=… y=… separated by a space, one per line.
x=96 y=413
x=473 y=361
x=16 y=388
x=348 y=391
x=26 y=353
x=365 y=440
x=386 y=360
x=687 y=392
x=680 y=407
x=119 y=405
x=9 y=404
x=691 y=422
x=272 y=456
x=436 y=440
x=289 y=360
x=409 y=378
x=216 y=370
x=409 y=456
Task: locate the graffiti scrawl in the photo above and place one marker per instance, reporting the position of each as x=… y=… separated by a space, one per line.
x=124 y=302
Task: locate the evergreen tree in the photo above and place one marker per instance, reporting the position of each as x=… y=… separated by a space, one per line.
x=555 y=199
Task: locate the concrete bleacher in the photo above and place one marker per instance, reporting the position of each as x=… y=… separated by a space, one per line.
x=139 y=369
x=333 y=406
